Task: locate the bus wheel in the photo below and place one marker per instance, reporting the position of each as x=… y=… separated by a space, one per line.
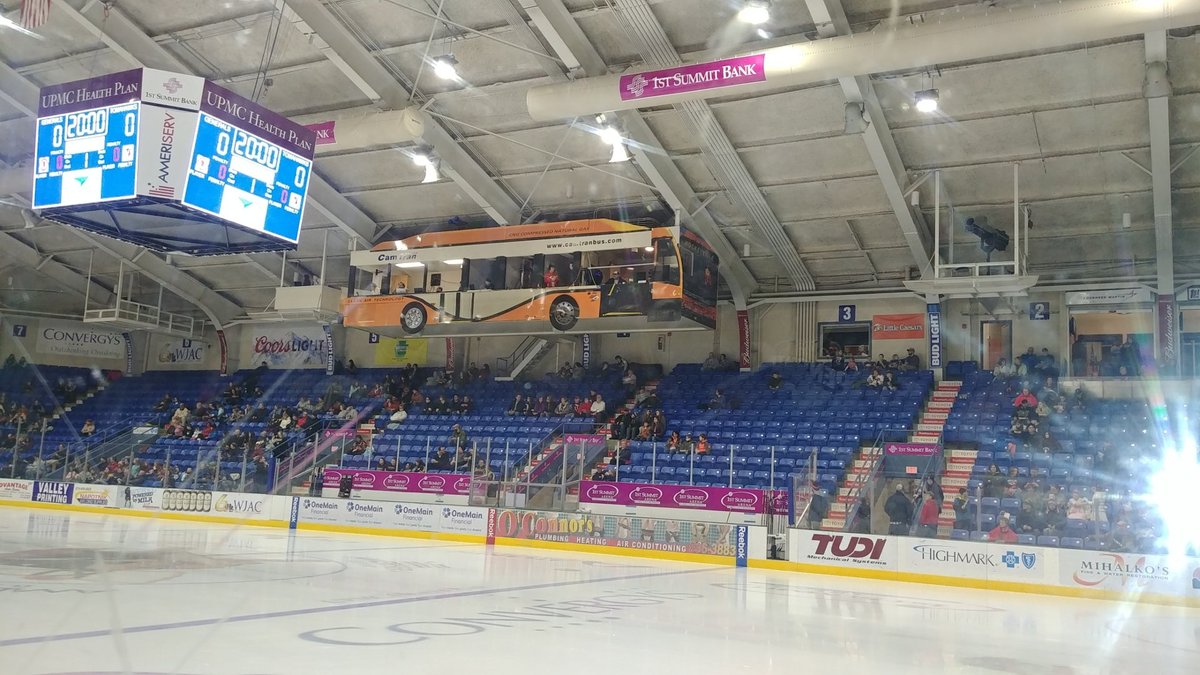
x=564 y=313
x=412 y=319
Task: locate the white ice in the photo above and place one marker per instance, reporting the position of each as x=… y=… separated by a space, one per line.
x=89 y=593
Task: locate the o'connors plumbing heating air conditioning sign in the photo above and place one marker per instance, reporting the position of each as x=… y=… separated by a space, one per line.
x=69 y=338
x=693 y=77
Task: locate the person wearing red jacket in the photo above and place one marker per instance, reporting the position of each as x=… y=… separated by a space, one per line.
x=927 y=519
x=1025 y=398
x=1003 y=533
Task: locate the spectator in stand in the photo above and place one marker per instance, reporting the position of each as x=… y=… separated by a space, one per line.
x=1027 y=362
x=775 y=381
x=931 y=485
x=674 y=442
x=397 y=418
x=994 y=482
x=851 y=366
x=563 y=408
x=838 y=362
x=629 y=382
x=717 y=401
x=962 y=514
x=1025 y=399
x=889 y=381
x=1004 y=370
x=687 y=446
x=658 y=424
x=702 y=446
x=927 y=520
x=458 y=437
x=724 y=363
x=912 y=362
x=1003 y=533
x=643 y=432
x=539 y=407
x=862 y=519
x=88 y=428
x=1122 y=539
x=583 y=407
x=442 y=460
x=1031 y=521
x=875 y=379
x=1047 y=366
x=899 y=509
x=1079 y=508
x=517 y=407
x=598 y=408
x=465 y=405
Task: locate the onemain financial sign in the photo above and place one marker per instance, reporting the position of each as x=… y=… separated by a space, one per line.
x=148 y=134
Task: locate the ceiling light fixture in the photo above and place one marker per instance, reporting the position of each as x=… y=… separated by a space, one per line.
x=409 y=265
x=755 y=12
x=424 y=157
x=612 y=136
x=446 y=67
x=453 y=261
x=927 y=100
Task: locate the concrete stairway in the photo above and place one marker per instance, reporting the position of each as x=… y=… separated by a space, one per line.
x=853 y=486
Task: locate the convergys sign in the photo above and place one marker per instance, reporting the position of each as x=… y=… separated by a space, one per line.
x=70 y=338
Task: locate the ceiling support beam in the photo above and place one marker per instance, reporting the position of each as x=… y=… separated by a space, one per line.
x=571 y=45
x=369 y=75
x=720 y=155
x=1158 y=96
x=831 y=20
x=25 y=255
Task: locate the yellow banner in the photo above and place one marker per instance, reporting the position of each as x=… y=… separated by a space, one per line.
x=393 y=352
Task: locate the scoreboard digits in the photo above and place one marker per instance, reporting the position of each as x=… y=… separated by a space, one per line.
x=86 y=156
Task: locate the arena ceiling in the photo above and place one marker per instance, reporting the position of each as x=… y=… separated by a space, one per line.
x=797 y=198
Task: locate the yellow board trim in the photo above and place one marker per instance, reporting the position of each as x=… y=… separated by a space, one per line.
x=702 y=558
x=980 y=584
x=165 y=515
x=389 y=532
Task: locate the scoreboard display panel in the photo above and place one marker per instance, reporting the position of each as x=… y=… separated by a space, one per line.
x=246 y=179
x=86 y=156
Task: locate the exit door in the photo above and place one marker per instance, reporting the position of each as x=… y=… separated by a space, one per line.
x=995 y=343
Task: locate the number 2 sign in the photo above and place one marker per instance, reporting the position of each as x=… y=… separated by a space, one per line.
x=1039 y=311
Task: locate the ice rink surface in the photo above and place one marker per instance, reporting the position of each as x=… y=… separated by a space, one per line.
x=97 y=594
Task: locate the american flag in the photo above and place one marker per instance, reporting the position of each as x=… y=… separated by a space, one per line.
x=34 y=13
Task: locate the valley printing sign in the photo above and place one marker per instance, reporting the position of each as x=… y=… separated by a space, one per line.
x=72 y=338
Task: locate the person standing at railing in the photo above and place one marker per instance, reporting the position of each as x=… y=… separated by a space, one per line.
x=927 y=520
x=899 y=509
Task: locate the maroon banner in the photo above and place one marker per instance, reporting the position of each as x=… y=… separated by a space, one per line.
x=224 y=352
x=1168 y=335
x=732 y=500
x=401 y=481
x=743 y=321
x=325 y=132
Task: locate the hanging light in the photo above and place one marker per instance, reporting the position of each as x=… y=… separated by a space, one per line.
x=446 y=67
x=755 y=12
x=425 y=158
x=612 y=136
x=927 y=100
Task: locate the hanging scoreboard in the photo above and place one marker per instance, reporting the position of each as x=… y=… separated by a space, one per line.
x=171 y=162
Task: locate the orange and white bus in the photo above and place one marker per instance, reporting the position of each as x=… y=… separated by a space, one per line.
x=590 y=275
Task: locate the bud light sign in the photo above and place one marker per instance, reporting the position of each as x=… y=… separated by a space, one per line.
x=935 y=336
